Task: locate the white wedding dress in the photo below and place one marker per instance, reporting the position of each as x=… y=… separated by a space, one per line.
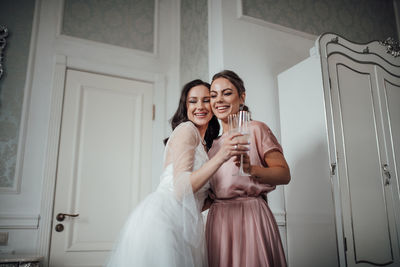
x=167 y=228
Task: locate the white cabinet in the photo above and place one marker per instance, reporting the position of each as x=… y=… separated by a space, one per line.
x=340 y=124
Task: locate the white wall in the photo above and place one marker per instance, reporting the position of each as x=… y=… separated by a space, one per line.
x=257 y=51
x=310 y=211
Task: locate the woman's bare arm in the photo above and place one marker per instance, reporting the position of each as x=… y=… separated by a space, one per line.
x=276 y=173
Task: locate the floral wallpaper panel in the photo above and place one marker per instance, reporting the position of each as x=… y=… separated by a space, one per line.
x=194 y=40
x=17 y=16
x=359 y=21
x=125 y=23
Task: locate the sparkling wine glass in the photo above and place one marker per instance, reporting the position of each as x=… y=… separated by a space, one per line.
x=239 y=123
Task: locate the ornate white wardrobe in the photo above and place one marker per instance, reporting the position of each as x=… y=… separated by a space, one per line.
x=340 y=124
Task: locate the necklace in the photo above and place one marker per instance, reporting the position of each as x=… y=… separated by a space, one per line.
x=203 y=142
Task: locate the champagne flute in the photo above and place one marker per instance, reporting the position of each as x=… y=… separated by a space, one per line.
x=239 y=123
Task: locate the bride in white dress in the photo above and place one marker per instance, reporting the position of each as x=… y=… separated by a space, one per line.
x=166 y=228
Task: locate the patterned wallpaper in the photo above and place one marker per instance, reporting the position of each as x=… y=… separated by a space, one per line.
x=17 y=15
x=359 y=21
x=194 y=41
x=126 y=23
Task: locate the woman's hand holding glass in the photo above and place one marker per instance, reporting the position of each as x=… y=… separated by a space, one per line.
x=244 y=161
x=233 y=146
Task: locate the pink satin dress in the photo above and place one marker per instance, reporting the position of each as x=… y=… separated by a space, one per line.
x=241 y=230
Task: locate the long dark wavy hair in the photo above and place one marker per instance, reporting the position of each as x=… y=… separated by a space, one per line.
x=181 y=114
x=235 y=80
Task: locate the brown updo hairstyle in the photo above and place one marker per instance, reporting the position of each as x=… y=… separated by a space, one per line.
x=181 y=114
x=235 y=80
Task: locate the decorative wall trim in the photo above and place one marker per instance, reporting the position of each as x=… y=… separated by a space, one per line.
x=111 y=48
x=280 y=218
x=271 y=25
x=66 y=40
x=49 y=179
x=16 y=188
x=396 y=7
x=19 y=221
x=215 y=37
x=156 y=49
x=67 y=43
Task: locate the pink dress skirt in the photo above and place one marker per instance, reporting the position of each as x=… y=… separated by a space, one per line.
x=241 y=230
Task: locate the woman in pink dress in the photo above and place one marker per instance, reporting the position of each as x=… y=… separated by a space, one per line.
x=241 y=229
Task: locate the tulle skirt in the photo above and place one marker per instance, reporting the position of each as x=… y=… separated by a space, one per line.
x=153 y=236
x=243 y=232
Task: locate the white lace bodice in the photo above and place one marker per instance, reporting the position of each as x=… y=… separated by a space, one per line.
x=167 y=180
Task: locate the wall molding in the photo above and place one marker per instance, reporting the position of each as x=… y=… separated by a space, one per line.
x=156 y=61
x=215 y=37
x=49 y=178
x=19 y=221
x=280 y=218
x=396 y=7
x=271 y=25
x=16 y=188
x=154 y=52
x=73 y=46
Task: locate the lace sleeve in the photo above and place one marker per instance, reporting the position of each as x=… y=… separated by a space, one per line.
x=181 y=148
x=180 y=152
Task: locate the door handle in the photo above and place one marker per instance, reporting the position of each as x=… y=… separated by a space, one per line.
x=59 y=227
x=61 y=216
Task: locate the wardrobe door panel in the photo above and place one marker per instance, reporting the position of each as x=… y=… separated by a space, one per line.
x=389 y=86
x=392 y=92
x=360 y=156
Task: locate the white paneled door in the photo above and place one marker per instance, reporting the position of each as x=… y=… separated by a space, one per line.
x=366 y=116
x=104 y=164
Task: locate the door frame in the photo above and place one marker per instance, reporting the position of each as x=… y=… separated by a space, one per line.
x=145 y=183
x=62 y=64
x=56 y=53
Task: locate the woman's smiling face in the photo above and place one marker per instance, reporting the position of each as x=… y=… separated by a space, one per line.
x=198 y=106
x=225 y=98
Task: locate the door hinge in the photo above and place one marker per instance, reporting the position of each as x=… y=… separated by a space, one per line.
x=154 y=112
x=330 y=84
x=386 y=171
x=333 y=168
x=345 y=244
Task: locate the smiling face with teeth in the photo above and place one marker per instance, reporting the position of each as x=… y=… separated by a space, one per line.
x=225 y=99
x=198 y=107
